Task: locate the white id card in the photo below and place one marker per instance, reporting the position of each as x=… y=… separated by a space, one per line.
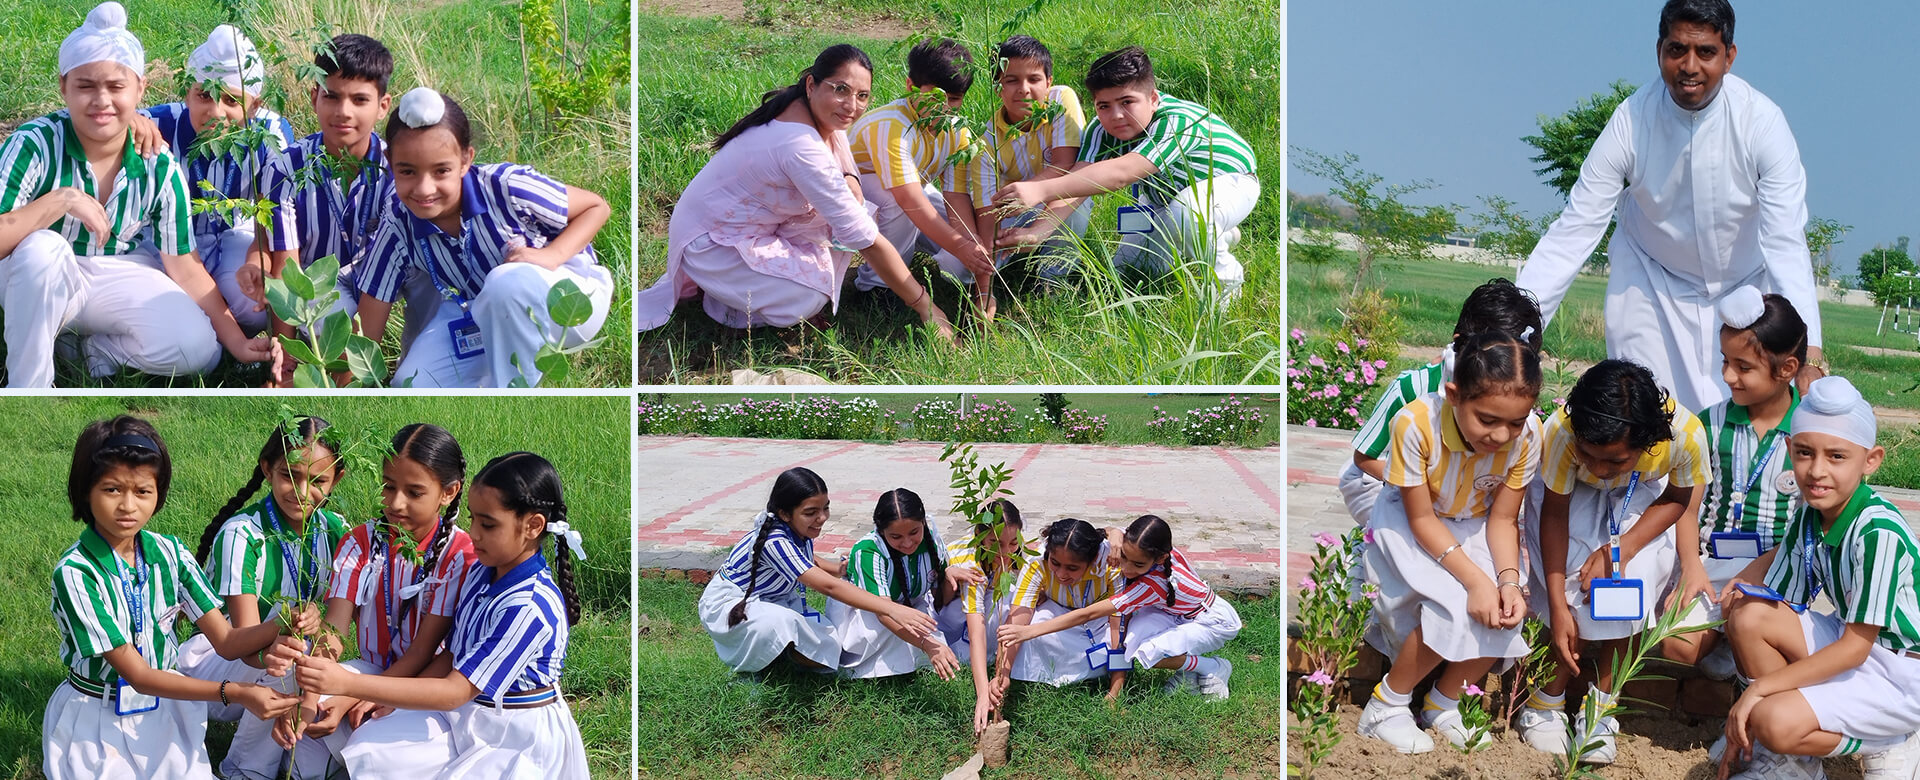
x=1615 y=600
x=1117 y=661
x=1734 y=544
x=1134 y=219
x=127 y=701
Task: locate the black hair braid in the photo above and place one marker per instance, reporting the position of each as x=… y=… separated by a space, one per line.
x=739 y=612
x=563 y=563
x=221 y=517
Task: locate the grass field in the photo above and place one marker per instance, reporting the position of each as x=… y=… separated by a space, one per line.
x=213 y=442
x=694 y=723
x=1225 y=55
x=468 y=49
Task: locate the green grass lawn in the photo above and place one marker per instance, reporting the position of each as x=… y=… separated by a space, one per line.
x=213 y=442
x=703 y=74
x=695 y=723
x=468 y=49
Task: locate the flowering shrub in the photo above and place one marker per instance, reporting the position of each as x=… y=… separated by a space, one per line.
x=1329 y=384
x=1083 y=427
x=1231 y=421
x=1333 y=613
x=812 y=417
x=828 y=416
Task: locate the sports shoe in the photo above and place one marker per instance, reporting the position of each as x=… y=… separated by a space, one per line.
x=1394 y=726
x=1718 y=664
x=1181 y=682
x=1543 y=730
x=1895 y=763
x=1768 y=765
x=1607 y=746
x=1214 y=686
x=1452 y=725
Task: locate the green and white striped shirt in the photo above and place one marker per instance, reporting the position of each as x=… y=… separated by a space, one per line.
x=44 y=155
x=90 y=604
x=1865 y=564
x=1732 y=444
x=1412 y=383
x=870 y=566
x=1185 y=141
x=243 y=559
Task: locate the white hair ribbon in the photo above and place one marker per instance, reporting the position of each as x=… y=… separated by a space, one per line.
x=104 y=38
x=561 y=529
x=422 y=107
x=409 y=591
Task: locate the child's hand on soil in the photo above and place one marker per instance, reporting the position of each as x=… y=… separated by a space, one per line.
x=265 y=703
x=1739 y=746
x=982 y=708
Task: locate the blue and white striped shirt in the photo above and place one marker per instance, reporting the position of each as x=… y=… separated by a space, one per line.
x=313 y=215
x=231 y=175
x=510 y=634
x=783 y=558
x=499 y=202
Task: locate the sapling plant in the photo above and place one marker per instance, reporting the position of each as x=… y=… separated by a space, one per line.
x=1333 y=612
x=976 y=500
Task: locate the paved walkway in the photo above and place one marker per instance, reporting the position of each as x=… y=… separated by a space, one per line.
x=697 y=495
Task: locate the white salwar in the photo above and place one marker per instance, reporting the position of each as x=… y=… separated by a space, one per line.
x=254 y=755
x=1708 y=201
x=82 y=739
x=952 y=623
x=869 y=650
x=769 y=629
x=402 y=743
x=1060 y=658
x=200 y=661
x=1586 y=532
x=537 y=743
x=1154 y=635
x=511 y=312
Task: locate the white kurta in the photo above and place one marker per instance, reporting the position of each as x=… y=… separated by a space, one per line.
x=1708 y=201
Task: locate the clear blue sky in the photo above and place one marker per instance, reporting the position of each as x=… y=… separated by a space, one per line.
x=1444 y=91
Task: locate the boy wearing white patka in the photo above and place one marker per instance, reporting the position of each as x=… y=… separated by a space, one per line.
x=1839 y=684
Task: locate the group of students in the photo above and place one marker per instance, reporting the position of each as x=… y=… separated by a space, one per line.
x=767 y=230
x=104 y=259
x=1622 y=507
x=461 y=633
x=1089 y=604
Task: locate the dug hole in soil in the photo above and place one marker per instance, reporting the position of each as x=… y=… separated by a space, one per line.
x=1651 y=746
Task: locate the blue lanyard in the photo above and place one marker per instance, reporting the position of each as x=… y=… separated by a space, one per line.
x=1807 y=559
x=1739 y=497
x=426 y=259
x=135 y=589
x=1613 y=521
x=361 y=217
x=387 y=591
x=309 y=575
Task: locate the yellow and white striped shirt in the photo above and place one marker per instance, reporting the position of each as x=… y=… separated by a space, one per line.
x=1683 y=459
x=1036 y=580
x=1428 y=450
x=977 y=596
x=1016 y=152
x=898 y=146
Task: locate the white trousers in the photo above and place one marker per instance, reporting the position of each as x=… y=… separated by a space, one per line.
x=501 y=309
x=1154 y=635
x=1060 y=658
x=255 y=756
x=868 y=649
x=223 y=253
x=1200 y=223
x=898 y=229
x=738 y=296
x=409 y=744
x=130 y=311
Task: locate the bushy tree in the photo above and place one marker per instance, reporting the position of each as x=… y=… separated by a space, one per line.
x=1564 y=141
x=1382 y=223
x=1881 y=272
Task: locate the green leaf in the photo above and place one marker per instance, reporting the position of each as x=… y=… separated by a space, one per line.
x=323 y=273
x=285 y=304
x=298 y=350
x=297 y=281
x=553 y=367
x=567 y=305
x=369 y=367
x=331 y=334
x=310 y=375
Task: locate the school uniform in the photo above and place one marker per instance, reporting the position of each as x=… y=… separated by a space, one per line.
x=867 y=648
x=1073 y=654
x=1733 y=445
x=777 y=615
x=1358 y=488
x=1866 y=565
x=894 y=146
x=510 y=641
x=1017 y=151
x=1204 y=187
x=1197 y=622
x=1416 y=592
x=1678 y=462
x=224 y=239
x=502 y=205
x=113 y=291
x=390 y=594
x=974 y=599
x=101 y=602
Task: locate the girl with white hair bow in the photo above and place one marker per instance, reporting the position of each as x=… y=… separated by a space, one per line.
x=98 y=241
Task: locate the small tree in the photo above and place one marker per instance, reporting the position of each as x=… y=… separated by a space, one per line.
x=1822 y=234
x=1564 y=141
x=1382 y=224
x=1881 y=263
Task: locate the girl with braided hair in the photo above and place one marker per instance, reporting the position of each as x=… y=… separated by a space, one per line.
x=756 y=607
x=1074 y=571
x=499 y=678
x=904 y=561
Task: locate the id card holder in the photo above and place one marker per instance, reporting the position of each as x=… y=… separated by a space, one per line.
x=1097 y=657
x=1135 y=219
x=1117 y=661
x=467 y=341
x=1611 y=599
x=1734 y=544
x=127 y=701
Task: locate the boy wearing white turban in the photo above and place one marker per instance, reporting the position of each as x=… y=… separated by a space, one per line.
x=78 y=199
x=1829 y=685
x=227 y=74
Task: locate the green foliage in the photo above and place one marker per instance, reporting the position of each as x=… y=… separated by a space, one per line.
x=568 y=307
x=1881 y=272
x=304 y=298
x=1563 y=144
x=977 y=490
x=1312 y=253
x=1503 y=228
x=1053 y=404
x=1333 y=617
x=1822 y=234
x=1383 y=223
x=1628 y=667
x=569 y=80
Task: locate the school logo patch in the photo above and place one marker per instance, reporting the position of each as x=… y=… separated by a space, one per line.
x=1486 y=482
x=1786 y=484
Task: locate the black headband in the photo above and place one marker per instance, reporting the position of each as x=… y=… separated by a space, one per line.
x=133 y=440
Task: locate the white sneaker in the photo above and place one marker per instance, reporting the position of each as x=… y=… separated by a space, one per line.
x=1718 y=664
x=1214 y=686
x=1768 y=765
x=1607 y=747
x=1452 y=725
x=1394 y=726
x=1896 y=763
x=1543 y=730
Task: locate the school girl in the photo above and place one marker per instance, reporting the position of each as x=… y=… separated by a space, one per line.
x=494 y=239
x=263 y=558
x=1446 y=551
x=971 y=618
x=402 y=601
x=1169 y=617
x=1622 y=465
x=756 y=607
x=1750 y=492
x=901 y=560
x=123 y=710
x=1075 y=570
x=500 y=675
x=1829 y=684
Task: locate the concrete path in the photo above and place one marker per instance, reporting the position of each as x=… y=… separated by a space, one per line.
x=697 y=495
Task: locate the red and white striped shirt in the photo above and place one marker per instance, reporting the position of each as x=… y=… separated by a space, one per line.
x=366 y=573
x=1190 y=593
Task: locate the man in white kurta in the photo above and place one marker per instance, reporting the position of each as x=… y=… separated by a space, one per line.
x=1708 y=200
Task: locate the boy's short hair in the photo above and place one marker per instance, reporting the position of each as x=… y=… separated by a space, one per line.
x=1025 y=47
x=358 y=57
x=1499 y=306
x=1124 y=68
x=942 y=64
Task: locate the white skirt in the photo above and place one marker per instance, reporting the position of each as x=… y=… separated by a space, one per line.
x=952 y=622
x=255 y=756
x=1879 y=699
x=1587 y=531
x=199 y=660
x=1060 y=658
x=539 y=743
x=402 y=743
x=1418 y=592
x=868 y=649
x=768 y=630
x=81 y=737
x=1154 y=635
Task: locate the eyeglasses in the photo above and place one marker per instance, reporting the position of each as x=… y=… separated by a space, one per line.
x=843 y=91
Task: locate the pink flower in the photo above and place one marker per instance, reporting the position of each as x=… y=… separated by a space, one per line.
x=1312 y=424
x=1316 y=362
x=1472 y=690
x=1348 y=376
x=1342 y=346
x=1320 y=678
x=1325 y=539
x=1298 y=334
x=1307 y=585
x=1367 y=534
